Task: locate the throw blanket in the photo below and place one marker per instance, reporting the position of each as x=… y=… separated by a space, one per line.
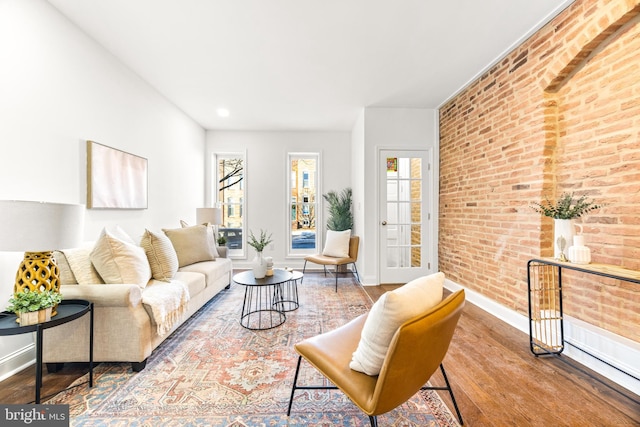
x=168 y=302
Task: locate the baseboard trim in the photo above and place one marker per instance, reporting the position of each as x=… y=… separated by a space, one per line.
x=602 y=351
x=17 y=361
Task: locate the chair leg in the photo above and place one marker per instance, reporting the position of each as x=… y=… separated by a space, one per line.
x=355 y=269
x=303 y=269
x=337 y=278
x=453 y=399
x=450 y=390
x=293 y=388
x=373 y=420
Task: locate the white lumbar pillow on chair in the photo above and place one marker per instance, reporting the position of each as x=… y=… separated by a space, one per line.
x=337 y=244
x=388 y=313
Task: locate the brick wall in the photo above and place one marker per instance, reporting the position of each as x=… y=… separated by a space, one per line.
x=559 y=113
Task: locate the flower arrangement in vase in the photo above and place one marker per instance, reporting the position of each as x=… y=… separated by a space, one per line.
x=259 y=243
x=567 y=208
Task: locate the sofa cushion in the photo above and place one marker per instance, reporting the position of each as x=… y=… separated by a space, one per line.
x=118 y=261
x=192 y=244
x=162 y=257
x=388 y=313
x=195 y=282
x=212 y=270
x=337 y=244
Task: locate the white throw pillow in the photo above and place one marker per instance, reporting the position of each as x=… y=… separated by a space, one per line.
x=388 y=313
x=337 y=244
x=117 y=261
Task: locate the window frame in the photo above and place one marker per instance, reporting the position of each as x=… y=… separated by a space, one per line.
x=225 y=205
x=318 y=214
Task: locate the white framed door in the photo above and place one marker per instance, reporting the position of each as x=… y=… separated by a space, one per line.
x=405 y=215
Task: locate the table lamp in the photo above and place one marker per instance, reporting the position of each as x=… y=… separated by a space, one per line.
x=210 y=216
x=37 y=229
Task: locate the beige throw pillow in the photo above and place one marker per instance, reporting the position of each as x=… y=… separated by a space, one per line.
x=192 y=244
x=213 y=242
x=337 y=244
x=163 y=259
x=118 y=261
x=388 y=313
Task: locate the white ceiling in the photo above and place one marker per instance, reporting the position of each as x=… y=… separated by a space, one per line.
x=303 y=64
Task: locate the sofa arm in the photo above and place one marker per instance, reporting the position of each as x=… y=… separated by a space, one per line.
x=107 y=295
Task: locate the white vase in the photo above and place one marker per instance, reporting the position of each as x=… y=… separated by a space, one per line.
x=563 y=232
x=259 y=266
x=579 y=253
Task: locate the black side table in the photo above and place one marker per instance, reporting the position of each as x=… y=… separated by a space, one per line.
x=262 y=299
x=68 y=310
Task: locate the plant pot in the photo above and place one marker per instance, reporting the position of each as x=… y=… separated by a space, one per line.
x=33 y=317
x=259 y=266
x=563 y=233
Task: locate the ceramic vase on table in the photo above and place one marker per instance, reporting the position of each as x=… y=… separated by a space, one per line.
x=563 y=232
x=259 y=266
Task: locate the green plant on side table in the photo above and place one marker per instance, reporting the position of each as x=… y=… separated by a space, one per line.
x=222 y=240
x=33 y=307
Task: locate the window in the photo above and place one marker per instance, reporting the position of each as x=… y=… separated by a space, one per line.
x=303 y=196
x=230 y=187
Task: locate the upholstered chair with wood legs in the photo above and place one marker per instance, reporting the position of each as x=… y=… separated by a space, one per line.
x=324 y=261
x=416 y=352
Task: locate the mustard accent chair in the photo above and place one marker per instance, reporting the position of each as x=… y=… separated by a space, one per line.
x=323 y=260
x=416 y=351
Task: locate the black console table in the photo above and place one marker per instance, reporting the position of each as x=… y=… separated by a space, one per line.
x=544 y=280
x=68 y=310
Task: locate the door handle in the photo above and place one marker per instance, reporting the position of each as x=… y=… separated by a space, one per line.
x=384 y=222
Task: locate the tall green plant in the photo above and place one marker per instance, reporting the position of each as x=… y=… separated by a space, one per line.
x=340 y=215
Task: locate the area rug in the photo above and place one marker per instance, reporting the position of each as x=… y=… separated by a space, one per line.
x=213 y=372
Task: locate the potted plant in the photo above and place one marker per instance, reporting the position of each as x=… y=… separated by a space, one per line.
x=33 y=307
x=340 y=215
x=222 y=240
x=259 y=243
x=567 y=208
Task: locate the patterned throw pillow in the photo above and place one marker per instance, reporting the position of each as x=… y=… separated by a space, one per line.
x=163 y=259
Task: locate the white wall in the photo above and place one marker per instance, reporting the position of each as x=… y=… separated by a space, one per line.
x=267 y=175
x=59 y=88
x=380 y=128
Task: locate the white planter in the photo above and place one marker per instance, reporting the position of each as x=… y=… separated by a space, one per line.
x=563 y=233
x=259 y=266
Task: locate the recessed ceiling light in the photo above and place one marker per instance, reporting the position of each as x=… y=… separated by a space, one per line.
x=222 y=112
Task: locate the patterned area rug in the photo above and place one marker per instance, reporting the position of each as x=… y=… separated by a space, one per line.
x=214 y=372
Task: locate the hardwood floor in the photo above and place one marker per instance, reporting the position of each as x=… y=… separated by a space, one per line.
x=496 y=381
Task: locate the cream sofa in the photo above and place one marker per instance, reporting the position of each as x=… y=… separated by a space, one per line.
x=132 y=314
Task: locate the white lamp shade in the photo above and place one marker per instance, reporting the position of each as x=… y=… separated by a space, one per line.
x=27 y=226
x=209 y=215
